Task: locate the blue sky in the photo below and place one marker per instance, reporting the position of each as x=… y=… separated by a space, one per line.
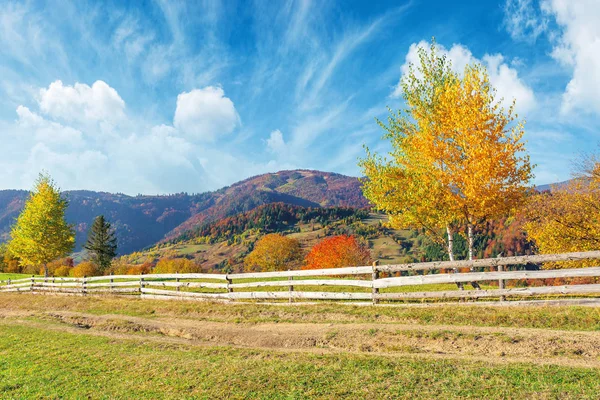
x=162 y=97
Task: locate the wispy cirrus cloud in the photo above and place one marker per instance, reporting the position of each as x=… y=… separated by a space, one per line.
x=151 y=97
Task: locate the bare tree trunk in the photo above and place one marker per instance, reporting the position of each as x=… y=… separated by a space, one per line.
x=451 y=251
x=470 y=239
x=45 y=270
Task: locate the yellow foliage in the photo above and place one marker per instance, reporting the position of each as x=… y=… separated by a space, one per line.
x=139 y=269
x=63 y=270
x=274 y=252
x=41 y=233
x=458 y=157
x=85 y=268
x=176 y=265
x=13 y=267
x=566 y=220
x=56 y=264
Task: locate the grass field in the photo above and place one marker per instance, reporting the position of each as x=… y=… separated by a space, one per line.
x=92 y=347
x=6 y=276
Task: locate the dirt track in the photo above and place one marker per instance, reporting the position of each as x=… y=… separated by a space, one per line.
x=490 y=344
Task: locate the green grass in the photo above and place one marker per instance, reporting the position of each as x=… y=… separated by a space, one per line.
x=551 y=317
x=6 y=276
x=42 y=363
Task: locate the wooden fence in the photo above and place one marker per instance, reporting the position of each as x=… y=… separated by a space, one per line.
x=349 y=283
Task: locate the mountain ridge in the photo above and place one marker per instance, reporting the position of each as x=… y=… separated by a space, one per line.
x=143 y=220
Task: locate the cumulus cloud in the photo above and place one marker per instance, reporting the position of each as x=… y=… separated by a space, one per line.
x=504 y=78
x=573 y=30
x=578 y=46
x=205 y=114
x=82 y=103
x=275 y=142
x=49 y=132
x=132 y=157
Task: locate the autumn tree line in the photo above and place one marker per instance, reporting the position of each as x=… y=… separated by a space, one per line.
x=41 y=241
x=457 y=170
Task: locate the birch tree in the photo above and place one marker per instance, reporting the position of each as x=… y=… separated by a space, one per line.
x=488 y=169
x=457 y=156
x=404 y=186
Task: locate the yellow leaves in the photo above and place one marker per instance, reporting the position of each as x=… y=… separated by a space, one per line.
x=566 y=220
x=41 y=233
x=274 y=252
x=457 y=155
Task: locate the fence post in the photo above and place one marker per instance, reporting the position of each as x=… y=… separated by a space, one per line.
x=229 y=280
x=177 y=280
x=374 y=277
x=501 y=282
x=32 y=282
x=291 y=287
x=84 y=285
x=141 y=283
x=111 y=281
x=8 y=282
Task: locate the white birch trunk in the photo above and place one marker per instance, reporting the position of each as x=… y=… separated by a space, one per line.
x=470 y=237
x=451 y=252
x=470 y=240
x=450 y=243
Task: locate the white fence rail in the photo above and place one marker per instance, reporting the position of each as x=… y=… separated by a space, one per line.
x=349 y=283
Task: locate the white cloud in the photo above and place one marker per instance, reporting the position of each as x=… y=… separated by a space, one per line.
x=572 y=28
x=82 y=103
x=205 y=114
x=133 y=156
x=275 y=142
x=506 y=81
x=129 y=38
x=578 y=46
x=72 y=169
x=504 y=78
x=49 y=132
x=523 y=21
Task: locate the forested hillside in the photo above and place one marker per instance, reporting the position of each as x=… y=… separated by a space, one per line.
x=141 y=221
x=223 y=244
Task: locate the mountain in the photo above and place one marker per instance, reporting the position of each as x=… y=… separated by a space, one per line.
x=141 y=221
x=298 y=187
x=552 y=186
x=222 y=245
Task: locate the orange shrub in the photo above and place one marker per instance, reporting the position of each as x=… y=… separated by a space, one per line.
x=337 y=252
x=176 y=265
x=274 y=252
x=13 y=267
x=54 y=265
x=85 y=268
x=139 y=269
x=63 y=270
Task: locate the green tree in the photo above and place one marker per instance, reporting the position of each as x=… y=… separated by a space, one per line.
x=41 y=233
x=102 y=243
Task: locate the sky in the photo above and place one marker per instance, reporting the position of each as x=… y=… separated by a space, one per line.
x=161 y=96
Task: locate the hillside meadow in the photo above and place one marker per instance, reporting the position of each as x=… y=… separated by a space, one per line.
x=111 y=347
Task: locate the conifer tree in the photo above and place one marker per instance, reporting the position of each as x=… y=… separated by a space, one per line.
x=101 y=242
x=41 y=233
